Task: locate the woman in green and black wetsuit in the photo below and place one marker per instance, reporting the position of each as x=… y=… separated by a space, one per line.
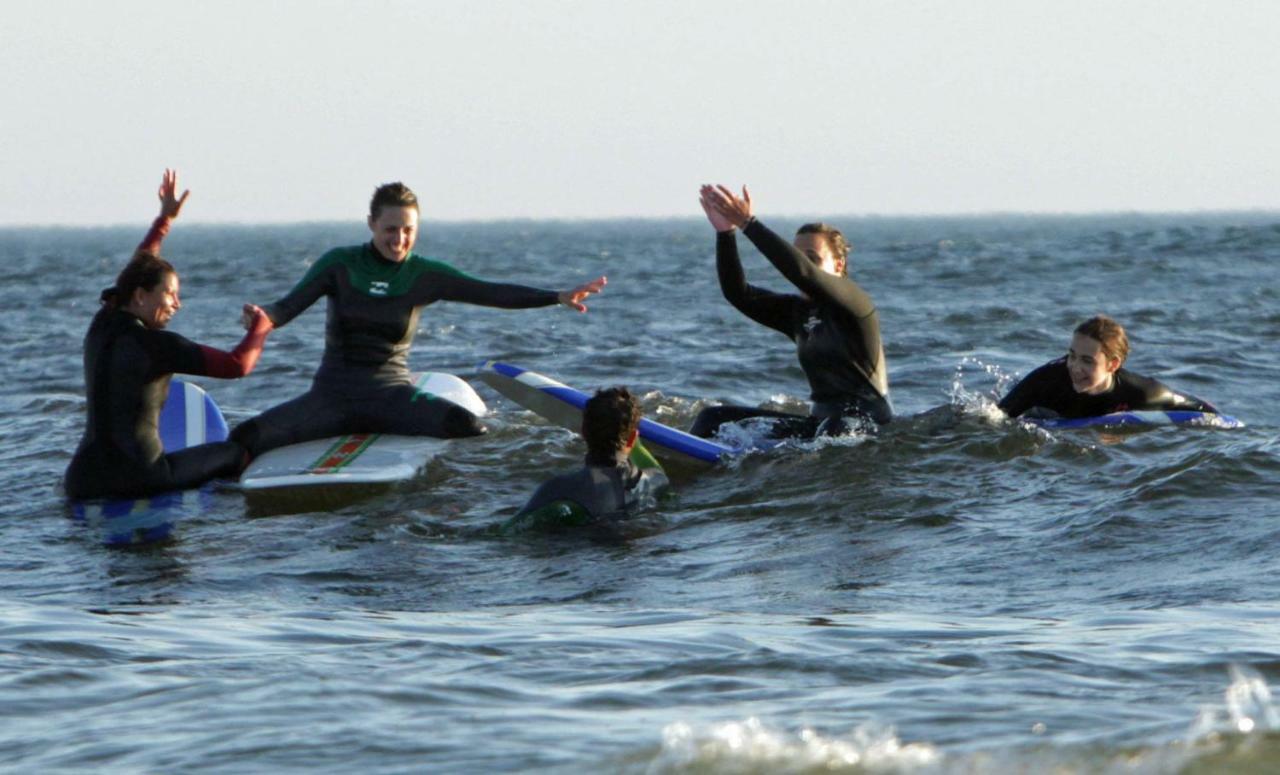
x=832 y=321
x=376 y=292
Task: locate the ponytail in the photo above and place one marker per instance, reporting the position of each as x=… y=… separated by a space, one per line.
x=144 y=270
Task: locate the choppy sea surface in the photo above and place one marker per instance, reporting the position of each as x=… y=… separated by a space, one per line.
x=957 y=594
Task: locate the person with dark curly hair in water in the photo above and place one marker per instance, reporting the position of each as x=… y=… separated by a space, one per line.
x=619 y=476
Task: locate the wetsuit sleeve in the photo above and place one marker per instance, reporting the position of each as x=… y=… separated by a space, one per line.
x=237 y=363
x=807 y=276
x=1158 y=396
x=456 y=286
x=1032 y=390
x=764 y=307
x=155 y=235
x=173 y=353
x=317 y=282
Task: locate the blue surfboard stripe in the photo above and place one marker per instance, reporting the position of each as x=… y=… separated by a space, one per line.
x=142 y=520
x=173 y=418
x=684 y=443
x=1149 y=418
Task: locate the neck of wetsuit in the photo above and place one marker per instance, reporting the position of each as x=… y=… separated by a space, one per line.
x=611 y=460
x=377 y=254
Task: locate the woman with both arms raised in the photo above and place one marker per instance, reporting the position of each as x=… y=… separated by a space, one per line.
x=128 y=361
x=832 y=321
x=376 y=292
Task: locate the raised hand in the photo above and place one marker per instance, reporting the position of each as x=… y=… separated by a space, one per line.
x=718 y=221
x=170 y=203
x=573 y=298
x=733 y=208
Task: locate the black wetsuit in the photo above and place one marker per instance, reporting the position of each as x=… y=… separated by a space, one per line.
x=600 y=490
x=127 y=368
x=363 y=383
x=834 y=325
x=1048 y=390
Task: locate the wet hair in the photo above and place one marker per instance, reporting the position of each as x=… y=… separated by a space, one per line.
x=608 y=419
x=1108 y=333
x=144 y=270
x=835 y=240
x=391 y=195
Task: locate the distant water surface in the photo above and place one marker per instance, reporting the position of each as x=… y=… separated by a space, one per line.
x=957 y=594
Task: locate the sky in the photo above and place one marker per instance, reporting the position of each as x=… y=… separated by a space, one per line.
x=287 y=111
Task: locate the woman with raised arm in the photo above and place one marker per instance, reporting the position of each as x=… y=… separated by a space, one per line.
x=1089 y=382
x=376 y=292
x=832 y=320
x=128 y=361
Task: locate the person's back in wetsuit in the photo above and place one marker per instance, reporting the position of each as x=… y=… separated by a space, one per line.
x=832 y=321
x=128 y=363
x=619 y=477
x=375 y=294
x=1089 y=380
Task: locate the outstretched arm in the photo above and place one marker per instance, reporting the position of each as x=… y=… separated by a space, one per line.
x=170 y=206
x=240 y=361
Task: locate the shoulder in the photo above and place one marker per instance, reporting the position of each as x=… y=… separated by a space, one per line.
x=422 y=265
x=343 y=255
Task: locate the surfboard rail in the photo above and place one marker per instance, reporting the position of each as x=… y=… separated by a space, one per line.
x=563 y=405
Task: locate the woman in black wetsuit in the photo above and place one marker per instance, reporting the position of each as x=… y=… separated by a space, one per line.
x=128 y=361
x=1089 y=382
x=832 y=321
x=375 y=294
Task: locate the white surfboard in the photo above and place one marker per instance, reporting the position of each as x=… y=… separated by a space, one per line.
x=358 y=459
x=189 y=417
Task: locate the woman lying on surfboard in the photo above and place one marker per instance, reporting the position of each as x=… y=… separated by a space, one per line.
x=832 y=320
x=1089 y=382
x=128 y=361
x=376 y=292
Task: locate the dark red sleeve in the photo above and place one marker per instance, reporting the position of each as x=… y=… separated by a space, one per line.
x=155 y=235
x=237 y=363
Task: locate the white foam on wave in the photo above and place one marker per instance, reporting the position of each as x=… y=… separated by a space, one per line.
x=1247 y=708
x=750 y=746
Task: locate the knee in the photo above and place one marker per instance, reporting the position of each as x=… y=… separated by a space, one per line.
x=459 y=423
x=246 y=434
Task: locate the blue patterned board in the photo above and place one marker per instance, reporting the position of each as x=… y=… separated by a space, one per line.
x=1138 y=419
x=189 y=417
x=562 y=405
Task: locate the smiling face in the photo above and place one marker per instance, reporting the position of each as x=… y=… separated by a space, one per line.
x=156 y=307
x=394 y=232
x=818 y=249
x=1090 y=368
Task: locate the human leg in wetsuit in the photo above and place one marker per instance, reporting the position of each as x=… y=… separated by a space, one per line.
x=321 y=412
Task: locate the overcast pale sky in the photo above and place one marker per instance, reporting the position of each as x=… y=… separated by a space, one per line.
x=294 y=110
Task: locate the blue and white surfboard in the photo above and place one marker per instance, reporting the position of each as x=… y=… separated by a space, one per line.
x=562 y=405
x=1139 y=419
x=189 y=417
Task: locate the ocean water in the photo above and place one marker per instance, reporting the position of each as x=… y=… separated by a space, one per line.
x=956 y=594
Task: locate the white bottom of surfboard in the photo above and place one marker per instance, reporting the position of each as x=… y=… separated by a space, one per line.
x=359 y=458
